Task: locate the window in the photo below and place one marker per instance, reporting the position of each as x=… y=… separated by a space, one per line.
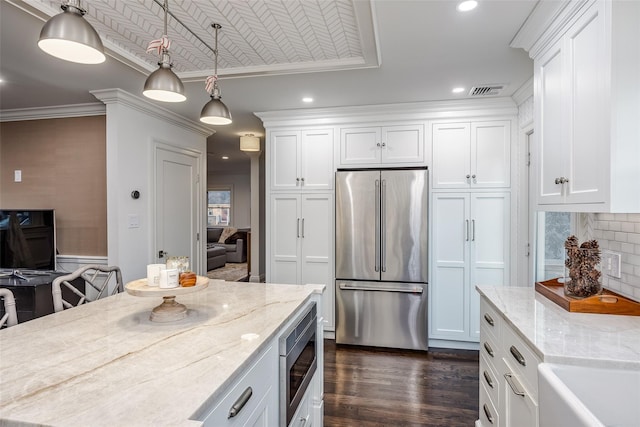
x=553 y=230
x=219 y=207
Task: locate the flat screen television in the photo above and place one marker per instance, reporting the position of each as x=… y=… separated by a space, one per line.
x=28 y=239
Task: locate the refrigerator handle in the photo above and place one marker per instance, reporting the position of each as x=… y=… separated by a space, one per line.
x=377 y=217
x=467 y=233
x=298 y=228
x=473 y=230
x=383 y=225
x=303 y=228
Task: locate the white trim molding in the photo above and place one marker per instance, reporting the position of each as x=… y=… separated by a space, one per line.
x=119 y=96
x=70 y=263
x=53 y=112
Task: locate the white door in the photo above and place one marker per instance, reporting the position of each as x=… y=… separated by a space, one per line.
x=490 y=154
x=489 y=256
x=360 y=146
x=177 y=204
x=285 y=238
x=285 y=154
x=317 y=247
x=317 y=159
x=402 y=144
x=449 y=288
x=451 y=155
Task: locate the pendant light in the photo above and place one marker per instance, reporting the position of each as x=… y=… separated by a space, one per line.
x=215 y=112
x=163 y=84
x=249 y=142
x=70 y=37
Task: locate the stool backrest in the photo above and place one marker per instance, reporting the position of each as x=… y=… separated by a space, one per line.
x=10 y=317
x=97 y=280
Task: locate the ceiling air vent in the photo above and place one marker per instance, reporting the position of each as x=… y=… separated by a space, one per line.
x=486 y=90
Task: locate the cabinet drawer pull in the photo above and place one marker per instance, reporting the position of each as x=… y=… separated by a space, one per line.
x=487 y=412
x=512 y=384
x=517 y=355
x=304 y=421
x=488 y=348
x=239 y=404
x=488 y=379
x=489 y=319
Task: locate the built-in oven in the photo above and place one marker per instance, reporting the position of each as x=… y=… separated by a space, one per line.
x=298 y=362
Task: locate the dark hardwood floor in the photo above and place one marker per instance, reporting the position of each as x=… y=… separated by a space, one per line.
x=369 y=387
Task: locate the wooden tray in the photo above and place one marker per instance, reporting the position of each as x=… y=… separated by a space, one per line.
x=607 y=302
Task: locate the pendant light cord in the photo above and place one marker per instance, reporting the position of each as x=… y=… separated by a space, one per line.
x=175 y=18
x=166 y=11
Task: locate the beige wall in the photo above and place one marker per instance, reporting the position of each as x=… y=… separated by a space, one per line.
x=63 y=164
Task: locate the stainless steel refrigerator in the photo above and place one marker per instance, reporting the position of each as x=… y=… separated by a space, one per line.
x=381 y=258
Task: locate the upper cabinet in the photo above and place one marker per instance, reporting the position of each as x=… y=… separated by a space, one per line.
x=301 y=160
x=587 y=106
x=471 y=154
x=382 y=146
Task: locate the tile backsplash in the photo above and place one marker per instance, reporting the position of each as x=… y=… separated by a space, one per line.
x=618 y=233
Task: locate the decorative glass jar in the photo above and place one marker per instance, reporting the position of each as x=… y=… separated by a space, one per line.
x=582 y=272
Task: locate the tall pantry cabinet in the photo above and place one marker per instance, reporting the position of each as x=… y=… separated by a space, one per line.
x=471 y=222
x=299 y=235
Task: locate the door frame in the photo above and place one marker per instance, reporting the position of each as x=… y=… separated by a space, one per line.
x=199 y=210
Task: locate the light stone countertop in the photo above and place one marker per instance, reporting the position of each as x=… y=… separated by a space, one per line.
x=559 y=336
x=106 y=364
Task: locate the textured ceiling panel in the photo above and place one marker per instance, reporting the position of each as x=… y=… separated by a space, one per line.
x=257 y=37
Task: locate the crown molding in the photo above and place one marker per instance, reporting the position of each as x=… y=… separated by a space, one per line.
x=391 y=112
x=121 y=97
x=54 y=112
x=524 y=92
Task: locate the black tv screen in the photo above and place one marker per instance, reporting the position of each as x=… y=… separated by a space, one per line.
x=28 y=239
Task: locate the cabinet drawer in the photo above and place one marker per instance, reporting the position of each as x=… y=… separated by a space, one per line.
x=490 y=378
x=521 y=360
x=490 y=320
x=489 y=416
x=489 y=346
x=260 y=377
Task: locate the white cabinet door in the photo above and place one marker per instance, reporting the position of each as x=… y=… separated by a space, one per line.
x=490 y=240
x=285 y=151
x=470 y=239
x=360 y=146
x=451 y=155
x=316 y=172
x=317 y=247
x=549 y=111
x=472 y=155
x=402 y=144
x=520 y=408
x=450 y=260
x=490 y=154
x=285 y=238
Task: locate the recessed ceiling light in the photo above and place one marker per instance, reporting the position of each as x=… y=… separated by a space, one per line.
x=467 y=5
x=457 y=90
x=307 y=99
x=225 y=157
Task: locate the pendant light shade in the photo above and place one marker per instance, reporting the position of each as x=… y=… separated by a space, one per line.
x=215 y=112
x=70 y=37
x=163 y=84
x=249 y=142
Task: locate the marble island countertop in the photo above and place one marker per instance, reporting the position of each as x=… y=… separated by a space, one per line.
x=106 y=364
x=559 y=336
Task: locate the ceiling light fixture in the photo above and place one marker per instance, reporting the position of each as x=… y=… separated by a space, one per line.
x=249 y=142
x=70 y=37
x=457 y=90
x=215 y=112
x=225 y=157
x=467 y=5
x=307 y=99
x=163 y=84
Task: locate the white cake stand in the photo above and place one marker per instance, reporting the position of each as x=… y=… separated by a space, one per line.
x=169 y=310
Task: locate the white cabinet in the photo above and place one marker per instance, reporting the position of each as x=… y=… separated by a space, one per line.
x=253 y=400
x=401 y=145
x=470 y=241
x=301 y=159
x=471 y=154
x=508 y=374
x=300 y=239
x=587 y=104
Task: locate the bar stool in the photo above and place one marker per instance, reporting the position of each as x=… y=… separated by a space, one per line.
x=96 y=277
x=10 y=317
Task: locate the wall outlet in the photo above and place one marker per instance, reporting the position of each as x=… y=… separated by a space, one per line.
x=611 y=264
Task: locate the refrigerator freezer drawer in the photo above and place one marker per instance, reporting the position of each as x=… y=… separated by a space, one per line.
x=382 y=314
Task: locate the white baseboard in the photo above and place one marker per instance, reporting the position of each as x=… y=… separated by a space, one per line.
x=457 y=345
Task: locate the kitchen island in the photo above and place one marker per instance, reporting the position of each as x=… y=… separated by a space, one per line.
x=105 y=363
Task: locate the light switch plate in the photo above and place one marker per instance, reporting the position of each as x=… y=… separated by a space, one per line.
x=611 y=264
x=17 y=175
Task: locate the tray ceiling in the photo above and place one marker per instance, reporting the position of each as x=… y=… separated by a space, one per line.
x=266 y=37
